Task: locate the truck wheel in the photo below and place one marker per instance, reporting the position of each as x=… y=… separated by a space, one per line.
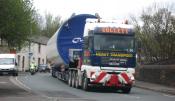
x=73 y=79
x=77 y=81
x=126 y=90
x=85 y=82
x=70 y=79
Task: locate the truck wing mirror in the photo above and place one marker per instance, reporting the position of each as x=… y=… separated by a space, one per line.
x=86 y=42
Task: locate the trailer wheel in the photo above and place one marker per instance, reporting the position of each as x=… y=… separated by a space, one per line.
x=85 y=85
x=70 y=79
x=77 y=81
x=73 y=79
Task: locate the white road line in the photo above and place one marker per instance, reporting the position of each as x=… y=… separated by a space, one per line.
x=167 y=95
x=25 y=87
x=19 y=84
x=131 y=96
x=22 y=83
x=3 y=82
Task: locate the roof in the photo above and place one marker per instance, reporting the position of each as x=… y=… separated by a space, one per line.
x=39 y=39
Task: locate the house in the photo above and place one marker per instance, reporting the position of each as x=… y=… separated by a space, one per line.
x=33 y=52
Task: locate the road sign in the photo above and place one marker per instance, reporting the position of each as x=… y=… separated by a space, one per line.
x=30 y=54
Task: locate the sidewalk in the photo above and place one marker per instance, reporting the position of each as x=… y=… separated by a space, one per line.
x=154 y=87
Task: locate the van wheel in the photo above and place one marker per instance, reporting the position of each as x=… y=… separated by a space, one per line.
x=15 y=74
x=70 y=79
x=85 y=85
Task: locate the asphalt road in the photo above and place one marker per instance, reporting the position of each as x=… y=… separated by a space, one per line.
x=12 y=90
x=51 y=88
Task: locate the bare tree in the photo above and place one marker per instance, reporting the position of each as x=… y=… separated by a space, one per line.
x=157 y=34
x=51 y=24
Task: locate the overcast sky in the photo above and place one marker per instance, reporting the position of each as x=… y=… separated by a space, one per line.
x=113 y=9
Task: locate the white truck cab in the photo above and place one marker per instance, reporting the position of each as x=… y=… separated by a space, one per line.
x=8 y=64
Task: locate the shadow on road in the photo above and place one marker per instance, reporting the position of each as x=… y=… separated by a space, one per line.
x=104 y=90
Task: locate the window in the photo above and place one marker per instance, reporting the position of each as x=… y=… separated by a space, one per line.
x=114 y=42
x=7 y=61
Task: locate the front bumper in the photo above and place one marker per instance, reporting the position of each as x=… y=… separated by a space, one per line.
x=122 y=79
x=8 y=71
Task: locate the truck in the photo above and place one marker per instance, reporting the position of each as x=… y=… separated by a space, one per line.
x=8 y=64
x=89 y=51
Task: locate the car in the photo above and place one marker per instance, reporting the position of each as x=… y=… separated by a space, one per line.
x=43 y=68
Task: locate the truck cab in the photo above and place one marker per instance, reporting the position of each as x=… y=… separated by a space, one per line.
x=8 y=64
x=109 y=55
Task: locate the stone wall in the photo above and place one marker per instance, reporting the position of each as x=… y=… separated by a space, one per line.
x=160 y=74
x=4 y=50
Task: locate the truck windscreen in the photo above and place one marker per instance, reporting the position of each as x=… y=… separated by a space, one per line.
x=6 y=61
x=114 y=42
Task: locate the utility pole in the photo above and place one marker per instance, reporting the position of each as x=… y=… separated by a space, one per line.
x=29 y=54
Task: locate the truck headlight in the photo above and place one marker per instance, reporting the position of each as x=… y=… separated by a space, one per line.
x=132 y=78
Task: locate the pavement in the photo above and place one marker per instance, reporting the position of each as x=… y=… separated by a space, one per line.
x=155 y=87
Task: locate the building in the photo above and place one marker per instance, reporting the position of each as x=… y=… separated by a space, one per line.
x=33 y=52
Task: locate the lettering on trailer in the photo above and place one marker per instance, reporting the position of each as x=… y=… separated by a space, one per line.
x=113 y=30
x=114 y=54
x=77 y=40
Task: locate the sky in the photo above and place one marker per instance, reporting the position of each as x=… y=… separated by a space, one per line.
x=109 y=9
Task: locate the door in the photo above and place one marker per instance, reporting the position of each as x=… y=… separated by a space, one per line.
x=23 y=63
x=38 y=61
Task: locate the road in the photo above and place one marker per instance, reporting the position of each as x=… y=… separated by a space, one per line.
x=12 y=90
x=43 y=85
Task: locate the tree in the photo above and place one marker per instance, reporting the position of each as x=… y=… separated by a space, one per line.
x=51 y=25
x=17 y=21
x=157 y=34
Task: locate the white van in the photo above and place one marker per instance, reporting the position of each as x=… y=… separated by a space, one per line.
x=8 y=64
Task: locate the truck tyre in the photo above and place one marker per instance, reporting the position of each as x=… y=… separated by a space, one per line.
x=53 y=74
x=85 y=85
x=70 y=79
x=73 y=79
x=126 y=90
x=77 y=81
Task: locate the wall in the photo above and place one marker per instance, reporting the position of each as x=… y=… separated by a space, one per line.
x=160 y=74
x=24 y=53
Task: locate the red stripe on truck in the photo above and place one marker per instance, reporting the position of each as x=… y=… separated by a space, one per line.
x=100 y=77
x=113 y=81
x=125 y=76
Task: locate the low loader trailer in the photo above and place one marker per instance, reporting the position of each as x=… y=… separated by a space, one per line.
x=87 y=51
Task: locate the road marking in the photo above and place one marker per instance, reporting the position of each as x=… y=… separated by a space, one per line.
x=167 y=95
x=22 y=83
x=3 y=82
x=19 y=83
x=131 y=96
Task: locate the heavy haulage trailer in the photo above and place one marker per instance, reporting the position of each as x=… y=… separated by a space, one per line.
x=87 y=51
